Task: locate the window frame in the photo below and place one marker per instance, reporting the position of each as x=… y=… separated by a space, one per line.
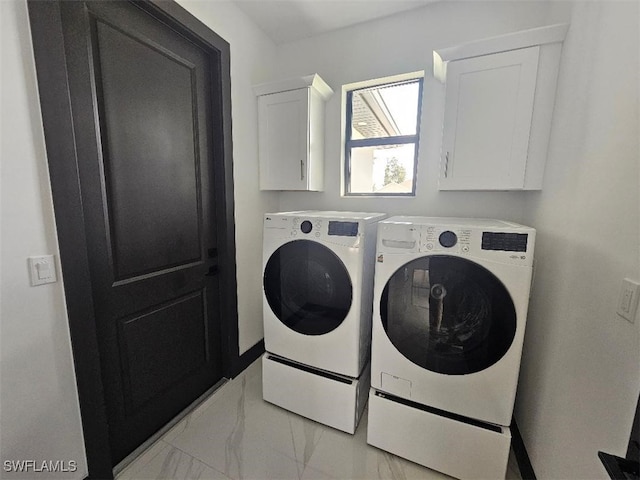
x=350 y=143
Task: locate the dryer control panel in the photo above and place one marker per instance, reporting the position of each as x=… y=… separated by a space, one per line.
x=335 y=231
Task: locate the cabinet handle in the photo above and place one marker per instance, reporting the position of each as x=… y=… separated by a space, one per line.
x=446 y=165
x=301 y=169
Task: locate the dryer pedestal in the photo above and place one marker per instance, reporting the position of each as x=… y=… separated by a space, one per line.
x=463 y=449
x=325 y=397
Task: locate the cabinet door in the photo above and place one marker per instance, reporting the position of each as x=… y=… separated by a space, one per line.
x=488 y=109
x=284 y=140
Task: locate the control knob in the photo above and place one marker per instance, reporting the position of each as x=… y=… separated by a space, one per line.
x=448 y=239
x=306 y=226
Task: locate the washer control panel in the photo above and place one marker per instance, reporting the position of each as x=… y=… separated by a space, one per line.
x=442 y=239
x=511 y=247
x=492 y=240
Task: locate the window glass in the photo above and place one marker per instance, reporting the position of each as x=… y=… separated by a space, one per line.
x=381 y=147
x=385 y=111
x=382 y=169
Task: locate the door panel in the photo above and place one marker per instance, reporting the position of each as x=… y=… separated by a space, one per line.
x=160 y=347
x=308 y=287
x=147 y=139
x=150 y=152
x=489 y=105
x=284 y=140
x=448 y=315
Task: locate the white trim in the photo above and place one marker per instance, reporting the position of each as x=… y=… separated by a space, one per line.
x=313 y=80
x=501 y=43
x=381 y=81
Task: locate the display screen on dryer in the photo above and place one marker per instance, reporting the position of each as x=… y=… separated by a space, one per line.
x=343 y=229
x=448 y=314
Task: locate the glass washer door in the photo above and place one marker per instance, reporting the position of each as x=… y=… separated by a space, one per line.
x=307 y=287
x=448 y=315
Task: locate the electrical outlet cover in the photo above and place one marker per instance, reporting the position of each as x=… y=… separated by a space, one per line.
x=628 y=299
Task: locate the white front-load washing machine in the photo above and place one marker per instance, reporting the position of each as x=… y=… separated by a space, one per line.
x=449 y=314
x=317 y=306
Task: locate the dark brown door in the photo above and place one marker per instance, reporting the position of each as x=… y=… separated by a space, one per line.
x=145 y=104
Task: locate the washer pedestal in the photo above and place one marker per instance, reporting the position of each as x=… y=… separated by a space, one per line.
x=325 y=397
x=453 y=446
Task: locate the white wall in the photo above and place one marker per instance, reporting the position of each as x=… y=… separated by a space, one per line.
x=252 y=62
x=39 y=410
x=581 y=365
x=580 y=374
x=400 y=44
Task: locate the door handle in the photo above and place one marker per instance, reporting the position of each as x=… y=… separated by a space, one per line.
x=213 y=271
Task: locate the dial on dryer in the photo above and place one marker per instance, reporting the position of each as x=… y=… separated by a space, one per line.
x=306 y=226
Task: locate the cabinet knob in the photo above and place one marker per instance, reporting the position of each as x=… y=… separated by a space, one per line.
x=301 y=169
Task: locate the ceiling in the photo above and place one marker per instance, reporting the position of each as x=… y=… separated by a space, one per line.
x=288 y=20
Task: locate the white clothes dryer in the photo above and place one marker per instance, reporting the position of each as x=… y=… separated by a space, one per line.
x=450 y=307
x=317 y=306
x=318 y=287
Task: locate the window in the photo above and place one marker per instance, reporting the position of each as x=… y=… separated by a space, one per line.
x=383 y=132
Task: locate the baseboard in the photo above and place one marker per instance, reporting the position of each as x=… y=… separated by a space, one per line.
x=248 y=357
x=520 y=451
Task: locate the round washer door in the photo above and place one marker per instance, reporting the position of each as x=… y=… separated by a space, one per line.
x=448 y=315
x=307 y=287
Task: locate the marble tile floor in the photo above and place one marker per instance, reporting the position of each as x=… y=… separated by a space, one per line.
x=234 y=434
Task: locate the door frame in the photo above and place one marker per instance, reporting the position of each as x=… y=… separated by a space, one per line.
x=55 y=102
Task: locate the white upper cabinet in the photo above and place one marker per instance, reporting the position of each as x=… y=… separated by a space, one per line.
x=291 y=133
x=499 y=101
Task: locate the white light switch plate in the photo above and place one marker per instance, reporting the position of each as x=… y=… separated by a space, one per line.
x=42 y=269
x=628 y=299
